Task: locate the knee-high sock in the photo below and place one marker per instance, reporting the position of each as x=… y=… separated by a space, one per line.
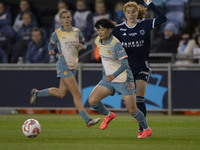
x=100 y=107
x=43 y=93
x=84 y=115
x=141 y=106
x=139 y=116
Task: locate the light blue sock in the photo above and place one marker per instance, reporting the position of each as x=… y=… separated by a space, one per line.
x=43 y=93
x=139 y=116
x=100 y=107
x=84 y=115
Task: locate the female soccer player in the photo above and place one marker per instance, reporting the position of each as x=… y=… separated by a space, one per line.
x=69 y=41
x=134 y=34
x=117 y=77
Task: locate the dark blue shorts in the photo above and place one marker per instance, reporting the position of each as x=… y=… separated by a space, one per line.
x=142 y=74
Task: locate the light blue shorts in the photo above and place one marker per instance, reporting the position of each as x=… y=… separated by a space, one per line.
x=62 y=69
x=122 y=88
x=64 y=73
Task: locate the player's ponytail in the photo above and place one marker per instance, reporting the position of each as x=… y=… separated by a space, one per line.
x=142 y=12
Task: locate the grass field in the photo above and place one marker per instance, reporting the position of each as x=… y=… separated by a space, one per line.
x=69 y=132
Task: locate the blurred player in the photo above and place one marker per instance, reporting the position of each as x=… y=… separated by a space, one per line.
x=117 y=77
x=69 y=41
x=134 y=34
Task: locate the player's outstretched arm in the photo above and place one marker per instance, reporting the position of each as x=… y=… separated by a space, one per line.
x=161 y=18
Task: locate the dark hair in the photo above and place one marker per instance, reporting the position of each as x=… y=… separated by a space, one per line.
x=105 y=23
x=36 y=29
x=187 y=31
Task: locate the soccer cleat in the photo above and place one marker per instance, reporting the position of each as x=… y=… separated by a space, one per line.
x=140 y=134
x=92 y=122
x=146 y=133
x=34 y=96
x=106 y=121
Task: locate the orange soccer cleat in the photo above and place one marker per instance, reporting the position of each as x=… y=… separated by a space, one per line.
x=106 y=121
x=146 y=133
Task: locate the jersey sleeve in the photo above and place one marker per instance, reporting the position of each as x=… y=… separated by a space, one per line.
x=115 y=32
x=82 y=39
x=53 y=41
x=120 y=52
x=54 y=38
x=161 y=18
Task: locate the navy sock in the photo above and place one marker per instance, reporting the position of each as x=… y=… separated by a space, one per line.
x=141 y=106
x=100 y=107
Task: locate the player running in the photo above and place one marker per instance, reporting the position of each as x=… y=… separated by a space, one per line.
x=69 y=41
x=134 y=34
x=117 y=77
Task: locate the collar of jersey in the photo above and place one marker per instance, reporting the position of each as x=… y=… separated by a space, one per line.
x=111 y=37
x=65 y=30
x=132 y=26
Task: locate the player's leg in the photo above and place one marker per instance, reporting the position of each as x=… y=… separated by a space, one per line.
x=60 y=92
x=141 y=89
x=72 y=86
x=131 y=106
x=99 y=93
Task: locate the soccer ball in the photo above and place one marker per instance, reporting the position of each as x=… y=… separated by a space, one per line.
x=31 y=128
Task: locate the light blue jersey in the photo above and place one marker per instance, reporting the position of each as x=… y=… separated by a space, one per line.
x=111 y=53
x=67 y=42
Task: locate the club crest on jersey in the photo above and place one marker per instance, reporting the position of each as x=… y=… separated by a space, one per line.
x=65 y=73
x=109 y=52
x=142 y=32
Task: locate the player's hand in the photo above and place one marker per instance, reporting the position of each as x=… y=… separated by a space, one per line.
x=51 y=52
x=80 y=46
x=110 y=78
x=147 y=1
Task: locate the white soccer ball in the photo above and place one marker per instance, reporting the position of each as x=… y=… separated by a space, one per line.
x=31 y=128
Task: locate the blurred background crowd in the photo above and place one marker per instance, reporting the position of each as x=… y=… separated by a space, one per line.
x=26 y=27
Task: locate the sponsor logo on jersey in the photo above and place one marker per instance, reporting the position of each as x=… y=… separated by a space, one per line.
x=106 y=58
x=121 y=29
x=71 y=43
x=133 y=44
x=132 y=34
x=124 y=34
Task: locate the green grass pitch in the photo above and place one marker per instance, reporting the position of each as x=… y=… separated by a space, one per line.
x=69 y=132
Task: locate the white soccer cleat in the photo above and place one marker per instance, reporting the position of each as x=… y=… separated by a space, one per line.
x=92 y=122
x=34 y=96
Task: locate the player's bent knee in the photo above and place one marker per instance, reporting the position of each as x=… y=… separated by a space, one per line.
x=62 y=95
x=92 y=101
x=132 y=111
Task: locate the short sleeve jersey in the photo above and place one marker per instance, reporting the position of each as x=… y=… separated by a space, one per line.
x=67 y=42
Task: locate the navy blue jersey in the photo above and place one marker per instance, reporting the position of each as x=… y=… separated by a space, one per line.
x=136 y=40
